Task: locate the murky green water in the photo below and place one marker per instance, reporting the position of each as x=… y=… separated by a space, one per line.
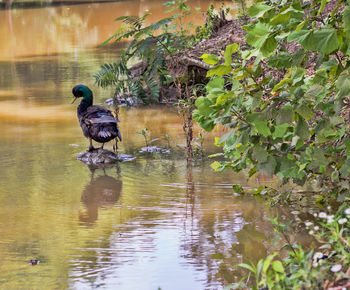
x=144 y=224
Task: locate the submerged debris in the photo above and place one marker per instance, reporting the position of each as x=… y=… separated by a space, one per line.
x=102 y=156
x=33 y=262
x=154 y=149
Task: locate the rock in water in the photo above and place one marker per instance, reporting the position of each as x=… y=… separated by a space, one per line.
x=102 y=156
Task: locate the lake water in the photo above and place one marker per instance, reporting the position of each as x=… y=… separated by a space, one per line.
x=146 y=224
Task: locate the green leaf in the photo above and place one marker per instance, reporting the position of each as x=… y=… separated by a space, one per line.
x=302 y=36
x=285 y=115
x=324 y=40
x=229 y=135
x=261 y=128
x=203 y=104
x=268 y=261
x=280 y=130
x=281 y=85
x=268 y=46
x=215 y=83
x=230 y=49
x=222 y=99
x=268 y=167
x=260 y=154
x=346 y=20
x=258 y=10
x=219 y=70
x=304 y=111
x=210 y=58
x=260 y=37
x=216 y=165
x=302 y=129
x=246 y=266
x=278 y=266
x=331 y=63
x=343 y=83
x=206 y=124
x=281 y=60
x=238 y=188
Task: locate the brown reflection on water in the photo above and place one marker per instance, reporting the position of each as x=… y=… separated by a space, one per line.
x=72 y=28
x=100 y=192
x=140 y=226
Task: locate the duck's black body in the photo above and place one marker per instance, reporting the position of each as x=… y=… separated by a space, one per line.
x=97 y=122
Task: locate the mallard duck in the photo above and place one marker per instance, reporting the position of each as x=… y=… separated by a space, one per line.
x=97 y=122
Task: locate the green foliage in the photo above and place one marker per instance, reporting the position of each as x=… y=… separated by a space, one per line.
x=284 y=115
x=267 y=273
x=302 y=269
x=146 y=135
x=150 y=44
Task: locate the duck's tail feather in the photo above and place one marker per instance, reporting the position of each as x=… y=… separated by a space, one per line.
x=104 y=133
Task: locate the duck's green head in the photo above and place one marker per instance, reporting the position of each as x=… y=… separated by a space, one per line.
x=81 y=91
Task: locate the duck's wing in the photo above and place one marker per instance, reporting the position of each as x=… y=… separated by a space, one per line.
x=98 y=115
x=101 y=122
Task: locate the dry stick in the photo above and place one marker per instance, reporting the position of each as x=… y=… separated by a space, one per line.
x=116 y=112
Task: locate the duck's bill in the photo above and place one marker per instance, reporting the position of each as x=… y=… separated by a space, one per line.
x=74 y=98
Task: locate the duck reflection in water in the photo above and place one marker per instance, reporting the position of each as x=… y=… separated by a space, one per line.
x=102 y=191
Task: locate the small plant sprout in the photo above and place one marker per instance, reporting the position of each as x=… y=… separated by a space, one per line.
x=145 y=133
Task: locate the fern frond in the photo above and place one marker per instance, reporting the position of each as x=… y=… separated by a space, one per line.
x=152 y=84
x=111 y=73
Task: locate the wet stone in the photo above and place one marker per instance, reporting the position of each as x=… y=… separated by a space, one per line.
x=102 y=156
